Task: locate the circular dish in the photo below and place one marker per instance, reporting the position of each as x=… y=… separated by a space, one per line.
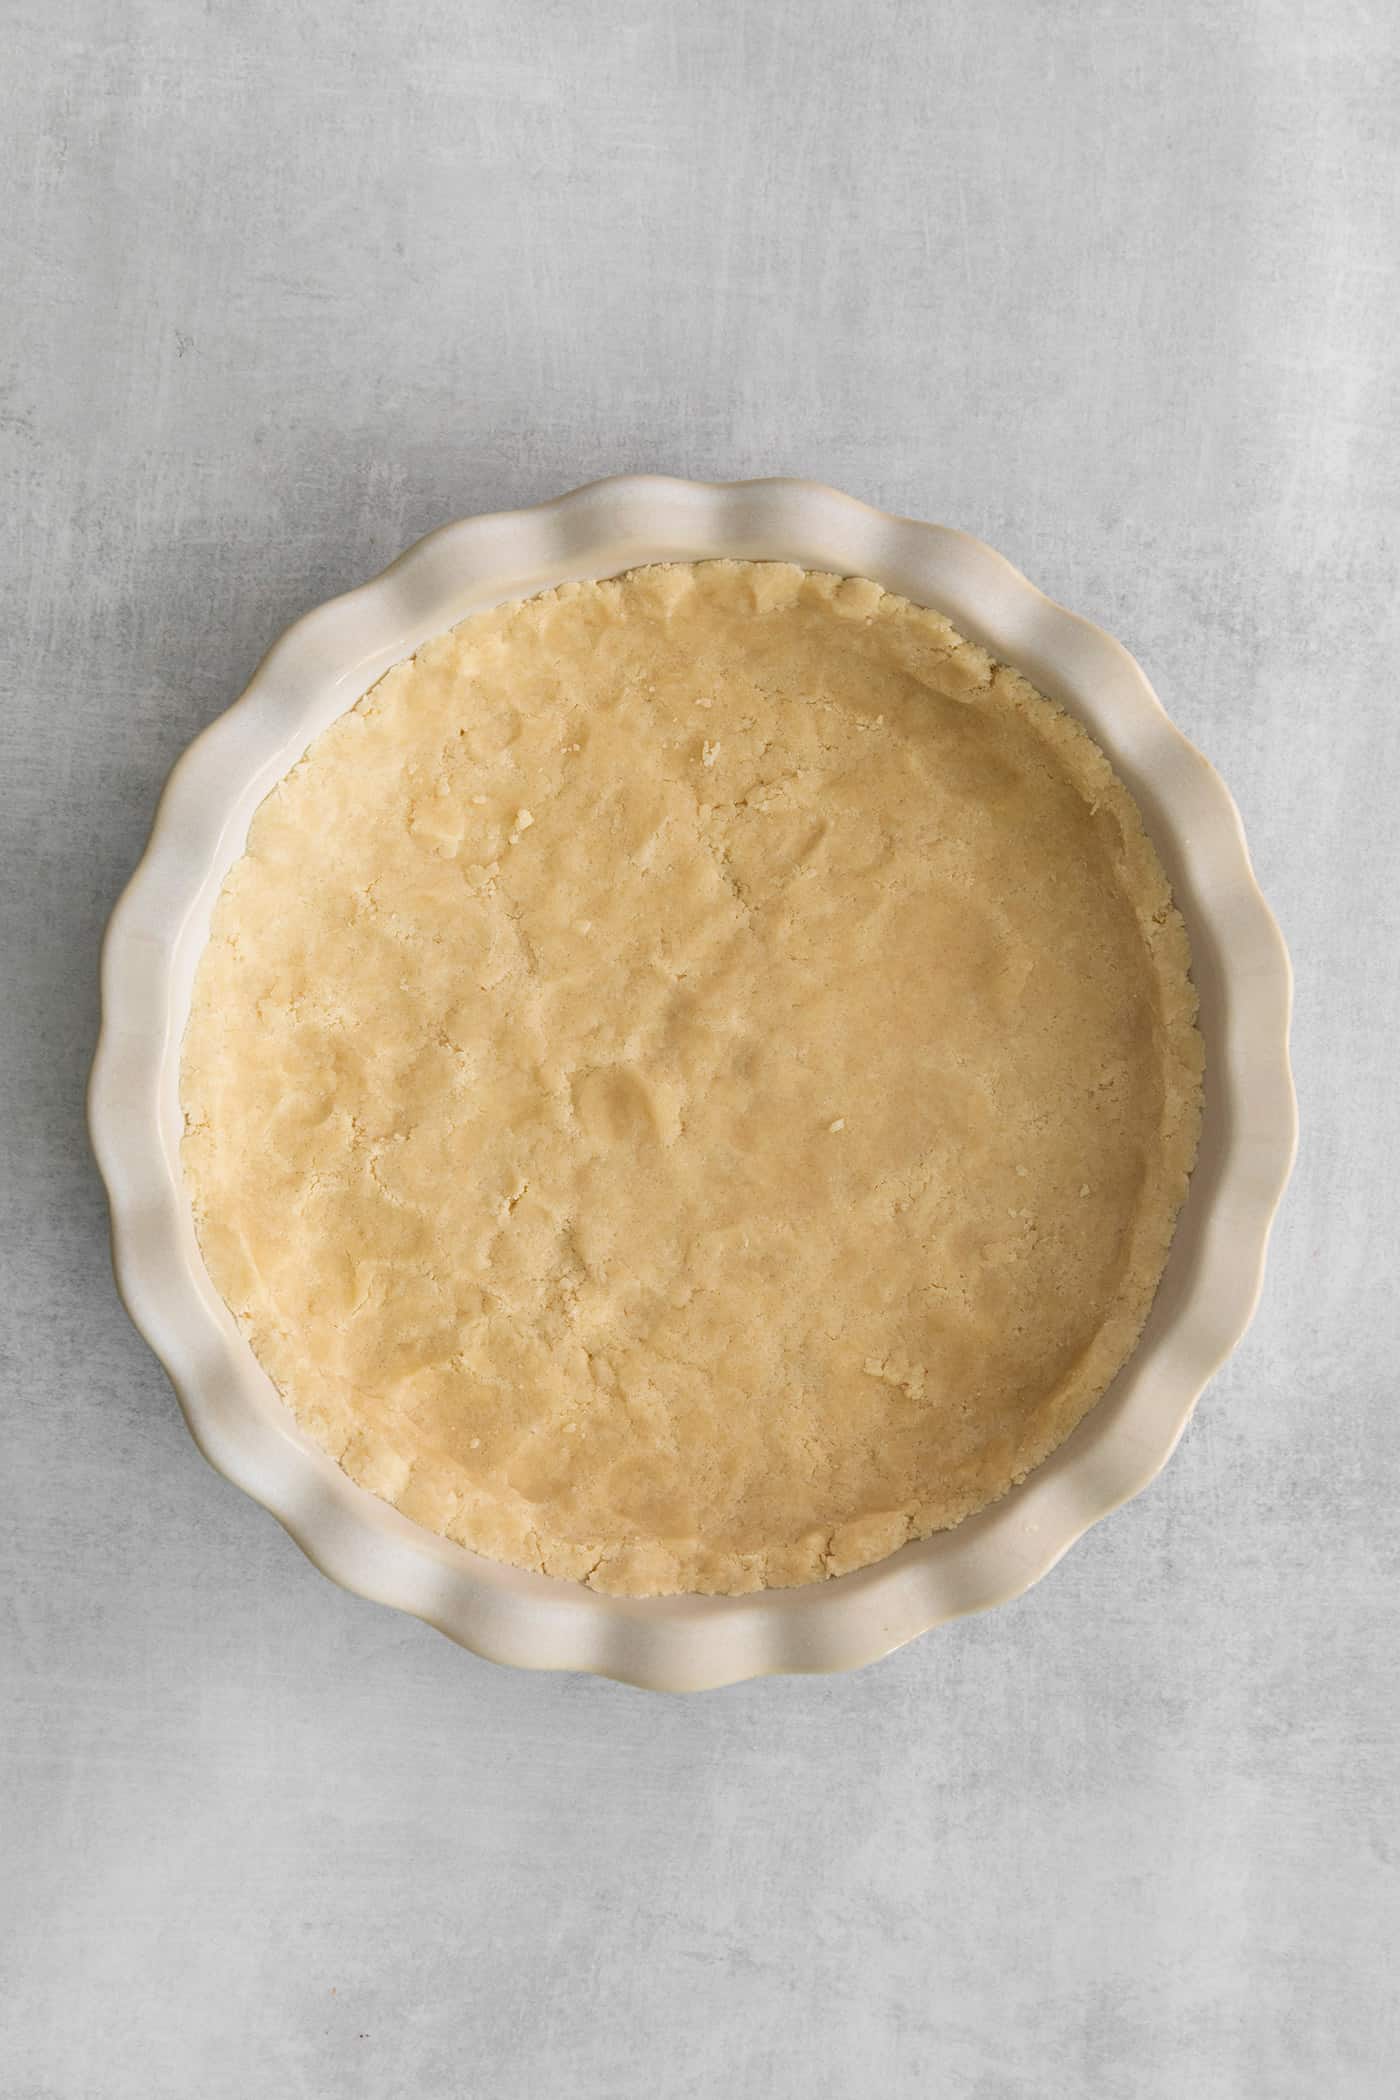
x=320 y=668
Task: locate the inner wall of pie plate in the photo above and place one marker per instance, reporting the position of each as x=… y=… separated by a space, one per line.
x=330 y=659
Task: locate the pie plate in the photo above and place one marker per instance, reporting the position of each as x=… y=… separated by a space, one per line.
x=320 y=667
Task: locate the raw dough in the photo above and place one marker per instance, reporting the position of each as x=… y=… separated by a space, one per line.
x=692 y=1080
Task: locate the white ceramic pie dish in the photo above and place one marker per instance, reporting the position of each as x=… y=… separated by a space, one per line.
x=319 y=668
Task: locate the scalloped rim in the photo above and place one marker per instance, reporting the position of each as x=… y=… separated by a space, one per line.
x=320 y=667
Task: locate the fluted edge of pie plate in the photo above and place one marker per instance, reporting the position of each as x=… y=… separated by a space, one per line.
x=320 y=666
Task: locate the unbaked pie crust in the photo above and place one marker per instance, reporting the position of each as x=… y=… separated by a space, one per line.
x=691 y=1083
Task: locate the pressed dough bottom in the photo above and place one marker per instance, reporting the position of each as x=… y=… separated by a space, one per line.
x=692 y=1080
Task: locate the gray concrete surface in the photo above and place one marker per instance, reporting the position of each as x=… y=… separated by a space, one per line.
x=1113 y=285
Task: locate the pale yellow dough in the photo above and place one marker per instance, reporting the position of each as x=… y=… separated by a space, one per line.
x=691 y=1083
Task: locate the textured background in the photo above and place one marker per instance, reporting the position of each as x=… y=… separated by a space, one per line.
x=1113 y=285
